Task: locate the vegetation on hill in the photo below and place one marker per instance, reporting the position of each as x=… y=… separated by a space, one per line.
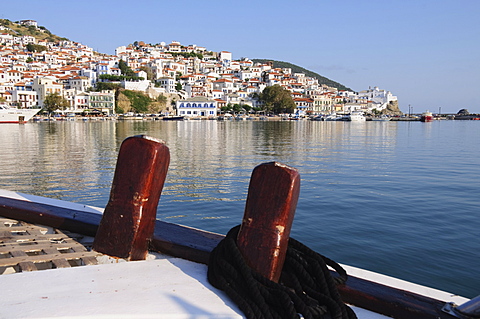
x=138 y=102
x=40 y=33
x=125 y=69
x=118 y=78
x=36 y=48
x=298 y=69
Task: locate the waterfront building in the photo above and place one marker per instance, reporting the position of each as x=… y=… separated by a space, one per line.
x=380 y=98
x=103 y=101
x=24 y=98
x=45 y=86
x=197 y=106
x=303 y=106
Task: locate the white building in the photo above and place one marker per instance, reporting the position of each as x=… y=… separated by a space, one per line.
x=198 y=106
x=25 y=99
x=142 y=85
x=378 y=97
x=167 y=83
x=103 y=101
x=225 y=58
x=29 y=23
x=45 y=86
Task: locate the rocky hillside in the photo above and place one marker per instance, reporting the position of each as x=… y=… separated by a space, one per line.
x=392 y=109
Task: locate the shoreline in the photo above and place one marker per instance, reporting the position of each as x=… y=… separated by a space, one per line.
x=222 y=118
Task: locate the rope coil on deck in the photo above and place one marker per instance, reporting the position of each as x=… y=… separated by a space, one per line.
x=306 y=287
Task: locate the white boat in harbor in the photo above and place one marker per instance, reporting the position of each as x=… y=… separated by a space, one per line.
x=355 y=117
x=382 y=118
x=48 y=268
x=333 y=117
x=14 y=115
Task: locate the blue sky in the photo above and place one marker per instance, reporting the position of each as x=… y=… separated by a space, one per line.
x=425 y=52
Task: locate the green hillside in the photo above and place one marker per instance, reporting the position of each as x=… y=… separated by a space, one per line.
x=298 y=69
x=40 y=33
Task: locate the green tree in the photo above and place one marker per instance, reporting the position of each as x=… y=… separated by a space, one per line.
x=256 y=109
x=36 y=47
x=247 y=108
x=125 y=69
x=178 y=86
x=237 y=108
x=101 y=86
x=118 y=78
x=277 y=99
x=149 y=72
x=226 y=109
x=53 y=102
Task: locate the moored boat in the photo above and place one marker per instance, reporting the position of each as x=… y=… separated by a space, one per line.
x=355 y=117
x=427 y=116
x=173 y=118
x=333 y=117
x=318 y=118
x=15 y=115
x=382 y=118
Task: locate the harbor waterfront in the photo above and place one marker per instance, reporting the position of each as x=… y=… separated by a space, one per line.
x=398 y=198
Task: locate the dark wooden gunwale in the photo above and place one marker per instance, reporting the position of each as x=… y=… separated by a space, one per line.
x=195 y=245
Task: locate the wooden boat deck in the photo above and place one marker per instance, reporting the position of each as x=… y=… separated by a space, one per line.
x=163 y=286
x=28 y=247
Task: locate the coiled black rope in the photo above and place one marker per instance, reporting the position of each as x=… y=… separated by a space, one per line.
x=306 y=287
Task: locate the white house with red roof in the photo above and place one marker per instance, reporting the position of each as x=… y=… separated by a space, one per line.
x=24 y=98
x=224 y=85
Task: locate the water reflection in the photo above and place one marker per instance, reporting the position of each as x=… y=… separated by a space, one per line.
x=209 y=160
x=371 y=192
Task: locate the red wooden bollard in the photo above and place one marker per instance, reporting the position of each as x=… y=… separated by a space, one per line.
x=129 y=218
x=271 y=202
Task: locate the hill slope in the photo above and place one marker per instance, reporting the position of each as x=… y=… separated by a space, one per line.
x=298 y=69
x=40 y=33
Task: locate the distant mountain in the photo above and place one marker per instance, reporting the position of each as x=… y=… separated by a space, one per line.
x=298 y=69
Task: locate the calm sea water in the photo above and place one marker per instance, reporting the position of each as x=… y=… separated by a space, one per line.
x=399 y=198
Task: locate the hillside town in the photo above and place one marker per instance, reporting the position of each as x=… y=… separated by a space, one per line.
x=195 y=82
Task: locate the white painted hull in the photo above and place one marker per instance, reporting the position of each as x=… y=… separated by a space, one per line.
x=161 y=286
x=12 y=115
x=356 y=117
